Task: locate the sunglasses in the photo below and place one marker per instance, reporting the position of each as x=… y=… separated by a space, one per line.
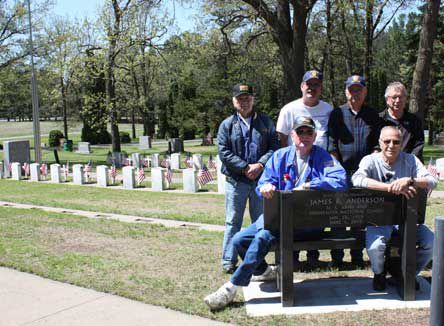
x=394 y=141
x=308 y=132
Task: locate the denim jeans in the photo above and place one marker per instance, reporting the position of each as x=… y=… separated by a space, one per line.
x=378 y=236
x=237 y=194
x=253 y=244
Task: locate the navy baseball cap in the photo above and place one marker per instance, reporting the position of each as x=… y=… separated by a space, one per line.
x=304 y=122
x=240 y=89
x=355 y=80
x=312 y=74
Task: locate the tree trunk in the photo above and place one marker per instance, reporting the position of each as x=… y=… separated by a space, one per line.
x=64 y=108
x=421 y=75
x=368 y=50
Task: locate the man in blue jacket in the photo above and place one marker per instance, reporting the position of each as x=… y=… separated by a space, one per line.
x=246 y=140
x=300 y=166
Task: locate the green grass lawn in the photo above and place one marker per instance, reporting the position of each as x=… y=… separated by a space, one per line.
x=169 y=267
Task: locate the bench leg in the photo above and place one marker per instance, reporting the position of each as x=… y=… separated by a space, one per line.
x=408 y=264
x=286 y=270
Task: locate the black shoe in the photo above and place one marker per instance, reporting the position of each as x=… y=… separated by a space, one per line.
x=229 y=269
x=379 y=282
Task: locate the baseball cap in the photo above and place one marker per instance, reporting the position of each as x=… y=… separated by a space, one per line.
x=240 y=89
x=312 y=74
x=355 y=80
x=304 y=122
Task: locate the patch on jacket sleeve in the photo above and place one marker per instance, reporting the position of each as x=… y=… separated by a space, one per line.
x=329 y=163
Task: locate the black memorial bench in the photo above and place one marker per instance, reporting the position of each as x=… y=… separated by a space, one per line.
x=288 y=211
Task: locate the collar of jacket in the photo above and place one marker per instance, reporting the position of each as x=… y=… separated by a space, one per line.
x=236 y=115
x=292 y=155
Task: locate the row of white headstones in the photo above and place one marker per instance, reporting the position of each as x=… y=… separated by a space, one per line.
x=159 y=182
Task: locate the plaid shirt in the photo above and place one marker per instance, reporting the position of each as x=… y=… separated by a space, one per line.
x=353 y=136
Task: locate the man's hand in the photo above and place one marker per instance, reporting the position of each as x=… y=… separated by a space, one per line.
x=267 y=190
x=252 y=171
x=402 y=186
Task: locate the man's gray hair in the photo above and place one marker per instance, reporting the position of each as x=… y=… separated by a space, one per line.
x=396 y=86
x=387 y=128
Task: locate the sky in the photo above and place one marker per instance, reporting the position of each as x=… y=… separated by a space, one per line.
x=90 y=8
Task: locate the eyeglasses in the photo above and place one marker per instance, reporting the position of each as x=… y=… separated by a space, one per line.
x=395 y=142
x=396 y=97
x=301 y=132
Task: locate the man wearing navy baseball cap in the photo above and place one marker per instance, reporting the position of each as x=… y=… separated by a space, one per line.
x=309 y=105
x=354 y=131
x=246 y=140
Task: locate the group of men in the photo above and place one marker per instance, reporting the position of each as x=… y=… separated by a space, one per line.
x=321 y=148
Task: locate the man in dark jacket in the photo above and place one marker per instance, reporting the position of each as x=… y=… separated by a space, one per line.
x=353 y=131
x=410 y=125
x=246 y=140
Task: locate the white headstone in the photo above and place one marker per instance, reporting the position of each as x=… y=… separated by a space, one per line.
x=35 y=172
x=220 y=177
x=136 y=159
x=2 y=170
x=78 y=176
x=16 y=171
x=190 y=180
x=440 y=168
x=155 y=161
x=158 y=182
x=175 y=161
x=55 y=173
x=129 y=179
x=102 y=175
x=197 y=161
x=144 y=142
x=84 y=148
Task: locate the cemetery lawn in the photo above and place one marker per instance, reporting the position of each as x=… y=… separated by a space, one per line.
x=169 y=267
x=202 y=208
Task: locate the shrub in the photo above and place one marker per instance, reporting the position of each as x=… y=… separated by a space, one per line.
x=124 y=137
x=95 y=136
x=54 y=138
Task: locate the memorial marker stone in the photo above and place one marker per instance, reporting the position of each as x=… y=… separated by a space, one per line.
x=84 y=148
x=176 y=145
x=136 y=159
x=129 y=179
x=2 y=170
x=78 y=174
x=16 y=151
x=102 y=175
x=16 y=171
x=190 y=183
x=197 y=161
x=145 y=142
x=55 y=173
x=35 y=172
x=175 y=161
x=158 y=182
x=155 y=161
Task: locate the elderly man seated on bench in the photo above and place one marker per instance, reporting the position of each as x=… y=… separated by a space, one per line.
x=401 y=174
x=300 y=166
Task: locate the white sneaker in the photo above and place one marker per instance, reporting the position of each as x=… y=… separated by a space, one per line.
x=221 y=298
x=269 y=275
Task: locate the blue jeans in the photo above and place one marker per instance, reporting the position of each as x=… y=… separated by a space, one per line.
x=237 y=193
x=253 y=245
x=377 y=237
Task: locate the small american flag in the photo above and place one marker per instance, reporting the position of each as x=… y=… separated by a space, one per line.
x=44 y=170
x=431 y=167
x=211 y=162
x=204 y=176
x=125 y=161
x=87 y=170
x=188 y=161
x=169 y=175
x=165 y=162
x=66 y=170
x=26 y=169
x=9 y=168
x=113 y=173
x=140 y=175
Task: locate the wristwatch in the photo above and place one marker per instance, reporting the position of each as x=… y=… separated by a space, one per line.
x=412 y=181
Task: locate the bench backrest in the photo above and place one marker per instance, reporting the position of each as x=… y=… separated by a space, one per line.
x=355 y=207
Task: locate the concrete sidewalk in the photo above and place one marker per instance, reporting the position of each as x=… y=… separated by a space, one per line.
x=26 y=299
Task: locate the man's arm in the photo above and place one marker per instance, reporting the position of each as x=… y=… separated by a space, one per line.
x=232 y=161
